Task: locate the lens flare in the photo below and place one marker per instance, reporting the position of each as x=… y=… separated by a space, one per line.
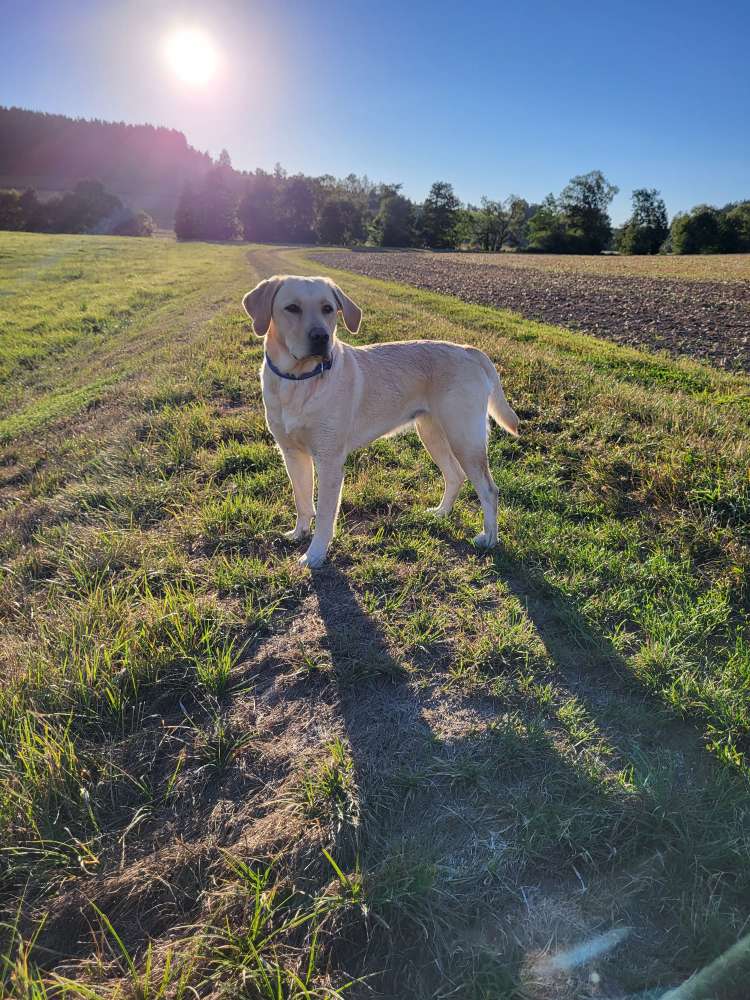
x=192 y=56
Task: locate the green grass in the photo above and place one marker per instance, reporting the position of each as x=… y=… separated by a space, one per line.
x=70 y=312
x=420 y=772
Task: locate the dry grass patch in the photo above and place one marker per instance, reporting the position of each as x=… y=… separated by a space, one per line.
x=698 y=267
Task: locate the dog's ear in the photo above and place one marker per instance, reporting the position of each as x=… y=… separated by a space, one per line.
x=349 y=310
x=258 y=304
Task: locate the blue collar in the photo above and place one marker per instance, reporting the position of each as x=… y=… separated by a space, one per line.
x=324 y=366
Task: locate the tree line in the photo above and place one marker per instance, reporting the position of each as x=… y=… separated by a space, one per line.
x=88 y=208
x=278 y=208
x=156 y=169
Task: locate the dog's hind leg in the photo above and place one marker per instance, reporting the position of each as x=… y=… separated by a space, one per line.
x=469 y=445
x=432 y=436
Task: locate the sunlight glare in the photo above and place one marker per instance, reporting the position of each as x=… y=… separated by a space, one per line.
x=192 y=56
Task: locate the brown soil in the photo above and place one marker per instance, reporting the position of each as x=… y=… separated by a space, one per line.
x=704 y=320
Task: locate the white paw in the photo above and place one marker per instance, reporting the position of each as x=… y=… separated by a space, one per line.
x=484 y=542
x=296 y=534
x=438 y=511
x=312 y=560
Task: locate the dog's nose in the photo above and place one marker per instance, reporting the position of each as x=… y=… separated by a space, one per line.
x=319 y=338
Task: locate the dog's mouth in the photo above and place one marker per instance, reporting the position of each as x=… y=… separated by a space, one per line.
x=324 y=353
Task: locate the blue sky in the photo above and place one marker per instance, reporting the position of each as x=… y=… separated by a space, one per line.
x=494 y=97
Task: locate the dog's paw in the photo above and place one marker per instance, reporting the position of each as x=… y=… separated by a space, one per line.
x=313 y=560
x=296 y=534
x=438 y=511
x=484 y=542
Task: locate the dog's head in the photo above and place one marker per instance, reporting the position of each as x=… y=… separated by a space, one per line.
x=301 y=312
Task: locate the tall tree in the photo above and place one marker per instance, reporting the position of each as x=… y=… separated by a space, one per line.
x=498 y=223
x=331 y=224
x=393 y=226
x=340 y=222
x=439 y=213
x=647 y=227
x=519 y=212
x=216 y=206
x=547 y=228
x=737 y=217
x=257 y=209
x=37 y=214
x=584 y=202
x=185 y=220
x=297 y=210
x=491 y=224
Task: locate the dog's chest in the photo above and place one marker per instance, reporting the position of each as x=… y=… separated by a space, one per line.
x=290 y=410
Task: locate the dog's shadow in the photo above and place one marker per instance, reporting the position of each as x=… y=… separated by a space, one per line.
x=428 y=785
x=382 y=717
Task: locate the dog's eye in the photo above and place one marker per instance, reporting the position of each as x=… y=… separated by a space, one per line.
x=327 y=308
x=292 y=308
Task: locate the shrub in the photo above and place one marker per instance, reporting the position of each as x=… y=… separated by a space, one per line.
x=11 y=213
x=697 y=231
x=134 y=224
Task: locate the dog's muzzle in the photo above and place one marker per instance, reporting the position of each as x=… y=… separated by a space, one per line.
x=320 y=341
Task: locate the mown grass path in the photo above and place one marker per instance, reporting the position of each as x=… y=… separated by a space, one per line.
x=437 y=769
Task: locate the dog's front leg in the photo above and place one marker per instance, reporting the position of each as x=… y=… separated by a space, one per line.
x=330 y=474
x=299 y=467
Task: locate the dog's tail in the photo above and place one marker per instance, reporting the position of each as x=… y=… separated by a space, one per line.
x=498 y=406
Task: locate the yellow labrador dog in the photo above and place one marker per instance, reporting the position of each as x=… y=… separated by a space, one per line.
x=324 y=398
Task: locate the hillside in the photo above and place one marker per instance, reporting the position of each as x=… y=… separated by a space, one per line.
x=144 y=165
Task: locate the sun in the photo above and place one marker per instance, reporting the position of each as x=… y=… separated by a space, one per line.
x=191 y=55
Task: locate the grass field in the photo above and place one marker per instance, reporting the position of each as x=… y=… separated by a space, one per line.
x=420 y=772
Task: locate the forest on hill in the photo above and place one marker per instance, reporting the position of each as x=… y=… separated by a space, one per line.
x=145 y=166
